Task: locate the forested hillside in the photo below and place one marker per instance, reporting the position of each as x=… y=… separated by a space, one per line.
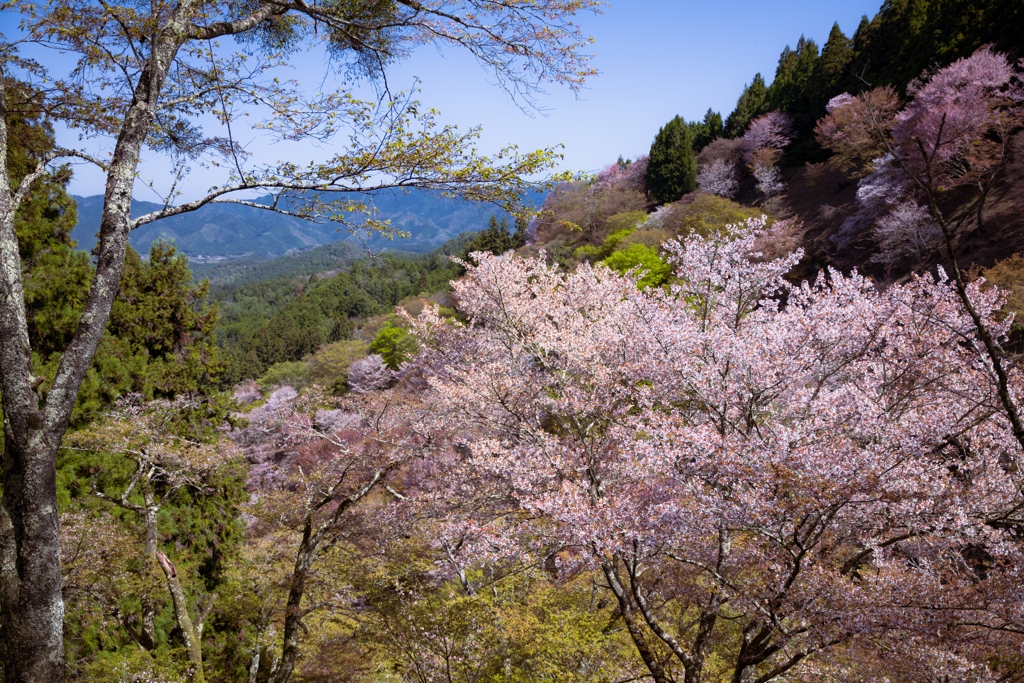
x=747 y=408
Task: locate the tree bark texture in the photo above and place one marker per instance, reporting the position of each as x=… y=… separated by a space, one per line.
x=31 y=605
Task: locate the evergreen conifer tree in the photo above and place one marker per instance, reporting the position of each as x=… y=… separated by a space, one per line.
x=707 y=131
x=748 y=107
x=672 y=169
x=790 y=92
x=830 y=73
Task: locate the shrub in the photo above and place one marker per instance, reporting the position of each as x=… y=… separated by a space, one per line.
x=644 y=258
x=329 y=366
x=292 y=373
x=706 y=214
x=394 y=345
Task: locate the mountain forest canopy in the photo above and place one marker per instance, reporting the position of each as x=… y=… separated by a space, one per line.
x=744 y=408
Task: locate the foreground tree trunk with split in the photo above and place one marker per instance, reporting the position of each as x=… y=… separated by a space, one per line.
x=157 y=70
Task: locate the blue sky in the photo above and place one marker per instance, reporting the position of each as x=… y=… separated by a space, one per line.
x=656 y=58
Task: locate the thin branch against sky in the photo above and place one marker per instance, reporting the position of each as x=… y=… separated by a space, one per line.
x=656 y=58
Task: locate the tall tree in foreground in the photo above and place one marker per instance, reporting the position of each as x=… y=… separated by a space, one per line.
x=147 y=74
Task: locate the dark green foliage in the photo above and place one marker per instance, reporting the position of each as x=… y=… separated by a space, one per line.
x=497 y=239
x=908 y=36
x=831 y=71
x=672 y=168
x=749 y=106
x=706 y=131
x=280 y=321
x=55 y=275
x=200 y=529
x=905 y=38
x=160 y=337
x=790 y=89
x=163 y=317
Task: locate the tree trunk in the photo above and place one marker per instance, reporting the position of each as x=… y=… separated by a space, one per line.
x=293 y=610
x=191 y=631
x=32 y=620
x=31 y=605
x=633 y=625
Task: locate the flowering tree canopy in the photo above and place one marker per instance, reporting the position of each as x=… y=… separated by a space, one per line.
x=763 y=143
x=774 y=130
x=719 y=177
x=954 y=133
x=767 y=491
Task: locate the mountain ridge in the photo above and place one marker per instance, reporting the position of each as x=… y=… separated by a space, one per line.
x=222 y=231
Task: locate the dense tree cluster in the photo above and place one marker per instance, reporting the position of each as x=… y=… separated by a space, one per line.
x=905 y=38
x=823 y=488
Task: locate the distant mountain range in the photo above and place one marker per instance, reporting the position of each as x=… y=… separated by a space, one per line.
x=231 y=230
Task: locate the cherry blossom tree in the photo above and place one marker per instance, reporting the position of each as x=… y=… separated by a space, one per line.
x=774 y=130
x=850 y=129
x=764 y=166
x=906 y=232
x=765 y=489
x=623 y=173
x=763 y=143
x=719 y=177
x=369 y=374
x=954 y=134
x=317 y=496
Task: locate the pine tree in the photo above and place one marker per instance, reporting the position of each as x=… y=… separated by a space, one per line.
x=162 y=317
x=706 y=131
x=672 y=169
x=55 y=275
x=748 y=107
x=830 y=73
x=789 y=91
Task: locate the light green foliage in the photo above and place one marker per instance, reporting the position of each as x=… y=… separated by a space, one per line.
x=621 y=226
x=642 y=258
x=578 y=214
x=707 y=214
x=291 y=373
x=624 y=222
x=328 y=367
x=672 y=167
x=395 y=345
x=523 y=628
